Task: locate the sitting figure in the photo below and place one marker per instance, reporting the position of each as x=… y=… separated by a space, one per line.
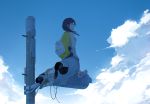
x=66 y=47
x=65 y=73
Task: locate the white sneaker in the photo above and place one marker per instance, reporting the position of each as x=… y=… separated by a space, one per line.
x=32 y=88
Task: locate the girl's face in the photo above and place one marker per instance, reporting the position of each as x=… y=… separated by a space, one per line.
x=72 y=26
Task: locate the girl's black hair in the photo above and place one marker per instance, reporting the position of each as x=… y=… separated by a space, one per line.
x=66 y=24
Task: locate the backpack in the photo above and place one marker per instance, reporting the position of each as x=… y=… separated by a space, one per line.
x=59 y=48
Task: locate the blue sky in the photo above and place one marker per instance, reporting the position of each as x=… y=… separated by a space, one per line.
x=95 y=19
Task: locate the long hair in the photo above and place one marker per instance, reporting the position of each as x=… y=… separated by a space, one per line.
x=66 y=24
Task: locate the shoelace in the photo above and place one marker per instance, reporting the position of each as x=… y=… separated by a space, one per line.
x=55 y=93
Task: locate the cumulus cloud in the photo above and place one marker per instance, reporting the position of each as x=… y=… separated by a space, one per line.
x=127 y=81
x=146 y=17
x=116 y=60
x=11 y=92
x=121 y=35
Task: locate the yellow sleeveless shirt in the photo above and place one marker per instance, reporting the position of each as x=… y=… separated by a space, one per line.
x=66 y=41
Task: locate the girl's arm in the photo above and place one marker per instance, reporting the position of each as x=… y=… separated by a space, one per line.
x=70 y=47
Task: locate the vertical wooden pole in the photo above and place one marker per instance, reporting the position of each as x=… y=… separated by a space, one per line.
x=30 y=57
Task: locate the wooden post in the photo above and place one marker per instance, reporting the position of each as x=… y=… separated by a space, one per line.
x=29 y=73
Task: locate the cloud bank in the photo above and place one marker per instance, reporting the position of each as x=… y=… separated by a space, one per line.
x=11 y=92
x=127 y=81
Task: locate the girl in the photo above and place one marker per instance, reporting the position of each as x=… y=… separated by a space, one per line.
x=66 y=50
x=65 y=73
x=70 y=60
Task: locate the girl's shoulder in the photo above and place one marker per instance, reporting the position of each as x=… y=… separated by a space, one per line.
x=67 y=34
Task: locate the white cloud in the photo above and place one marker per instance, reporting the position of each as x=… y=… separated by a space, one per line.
x=11 y=92
x=120 y=87
x=148 y=33
x=3 y=68
x=116 y=60
x=127 y=81
x=121 y=35
x=146 y=18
